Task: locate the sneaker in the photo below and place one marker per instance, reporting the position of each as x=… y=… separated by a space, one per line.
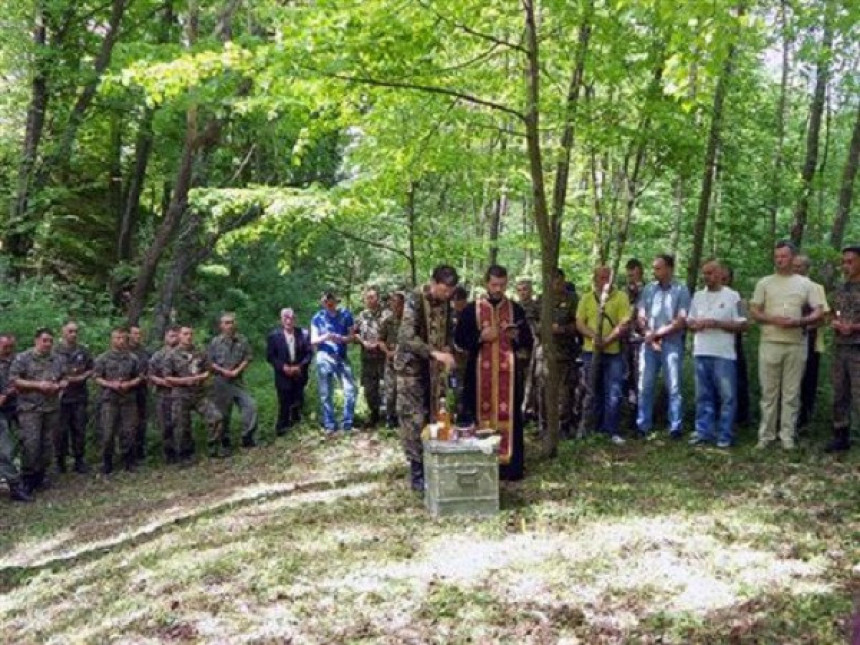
x=677 y=435
x=763 y=445
x=724 y=444
x=618 y=440
x=697 y=441
x=788 y=445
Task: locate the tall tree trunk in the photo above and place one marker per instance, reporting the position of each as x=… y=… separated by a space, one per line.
x=816 y=110
x=19 y=237
x=776 y=179
x=410 y=223
x=497 y=209
x=709 y=172
x=114 y=178
x=166 y=230
x=846 y=189
x=130 y=214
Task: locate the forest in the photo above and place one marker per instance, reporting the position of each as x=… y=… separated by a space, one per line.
x=167 y=160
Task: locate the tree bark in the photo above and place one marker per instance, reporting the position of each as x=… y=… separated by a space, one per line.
x=19 y=239
x=776 y=180
x=708 y=175
x=816 y=110
x=846 y=189
x=130 y=213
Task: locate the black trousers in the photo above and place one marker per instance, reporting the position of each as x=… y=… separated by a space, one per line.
x=290 y=401
x=809 y=382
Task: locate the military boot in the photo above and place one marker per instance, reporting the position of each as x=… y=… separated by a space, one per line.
x=417 y=476
x=841 y=440
x=130 y=462
x=61 y=465
x=18 y=492
x=107 y=465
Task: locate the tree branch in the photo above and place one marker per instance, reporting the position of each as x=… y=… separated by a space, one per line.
x=418 y=87
x=362 y=240
x=473 y=32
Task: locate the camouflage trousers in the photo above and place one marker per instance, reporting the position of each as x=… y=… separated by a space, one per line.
x=8 y=471
x=36 y=431
x=390 y=386
x=142 y=401
x=372 y=373
x=225 y=394
x=413 y=412
x=202 y=405
x=845 y=375
x=72 y=429
x=164 y=418
x=118 y=420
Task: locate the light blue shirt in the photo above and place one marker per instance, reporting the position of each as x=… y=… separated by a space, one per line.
x=340 y=323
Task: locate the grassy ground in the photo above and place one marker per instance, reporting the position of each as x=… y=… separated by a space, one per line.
x=307 y=541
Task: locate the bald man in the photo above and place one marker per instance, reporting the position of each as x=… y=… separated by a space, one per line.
x=715 y=317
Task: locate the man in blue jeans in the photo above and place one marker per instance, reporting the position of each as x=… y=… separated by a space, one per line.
x=715 y=318
x=662 y=310
x=332 y=328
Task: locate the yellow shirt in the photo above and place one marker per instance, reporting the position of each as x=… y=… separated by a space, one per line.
x=780 y=295
x=616 y=311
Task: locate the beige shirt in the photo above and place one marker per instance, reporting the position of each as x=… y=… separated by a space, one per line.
x=780 y=295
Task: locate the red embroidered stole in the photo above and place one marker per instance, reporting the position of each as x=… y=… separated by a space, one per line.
x=495 y=382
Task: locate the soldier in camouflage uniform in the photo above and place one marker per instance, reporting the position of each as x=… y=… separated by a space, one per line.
x=141 y=393
x=368 y=327
x=632 y=341
x=78 y=367
x=527 y=358
x=37 y=375
x=229 y=356
x=388 y=341
x=163 y=394
x=119 y=374
x=8 y=470
x=567 y=350
x=186 y=371
x=424 y=352
x=845 y=370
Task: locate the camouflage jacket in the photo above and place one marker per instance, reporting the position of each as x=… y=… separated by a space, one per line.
x=228 y=353
x=157 y=366
x=142 y=354
x=76 y=360
x=368 y=326
x=564 y=314
x=425 y=327
x=30 y=366
x=184 y=362
x=116 y=365
x=846 y=305
x=389 y=331
x=10 y=406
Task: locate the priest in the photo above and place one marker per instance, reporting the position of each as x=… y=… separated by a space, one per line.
x=491 y=330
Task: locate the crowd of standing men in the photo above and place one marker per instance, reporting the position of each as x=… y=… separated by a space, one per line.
x=426 y=344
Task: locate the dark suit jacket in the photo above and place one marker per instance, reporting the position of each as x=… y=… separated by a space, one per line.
x=278 y=356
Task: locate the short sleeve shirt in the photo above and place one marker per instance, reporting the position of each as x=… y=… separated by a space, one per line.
x=724 y=305
x=182 y=362
x=615 y=312
x=369 y=327
x=846 y=305
x=116 y=365
x=30 y=366
x=76 y=360
x=341 y=323
x=780 y=295
x=661 y=305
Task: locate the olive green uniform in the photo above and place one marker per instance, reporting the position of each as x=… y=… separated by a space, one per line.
x=163 y=405
x=182 y=363
x=369 y=328
x=426 y=327
x=567 y=350
x=229 y=352
x=117 y=410
x=38 y=413
x=141 y=397
x=72 y=430
x=8 y=470
x=845 y=369
x=388 y=335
